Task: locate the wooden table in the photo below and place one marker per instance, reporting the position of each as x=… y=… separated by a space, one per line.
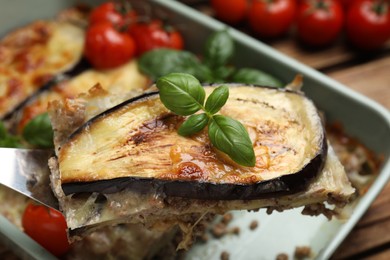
x=369 y=75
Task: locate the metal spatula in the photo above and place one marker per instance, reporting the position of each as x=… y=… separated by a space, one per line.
x=26 y=171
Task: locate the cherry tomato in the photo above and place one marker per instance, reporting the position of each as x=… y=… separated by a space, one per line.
x=271 y=18
x=319 y=22
x=106 y=48
x=115 y=13
x=368 y=24
x=154 y=34
x=46 y=226
x=230 y=11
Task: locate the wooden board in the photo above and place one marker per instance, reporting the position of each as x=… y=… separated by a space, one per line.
x=371 y=236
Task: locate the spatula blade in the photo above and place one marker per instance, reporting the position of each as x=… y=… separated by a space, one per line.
x=26 y=171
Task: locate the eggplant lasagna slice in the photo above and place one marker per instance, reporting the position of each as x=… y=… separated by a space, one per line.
x=132 y=157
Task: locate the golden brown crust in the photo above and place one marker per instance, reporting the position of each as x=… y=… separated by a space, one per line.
x=115 y=85
x=30 y=56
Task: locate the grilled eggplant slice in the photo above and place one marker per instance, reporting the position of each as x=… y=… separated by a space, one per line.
x=135 y=145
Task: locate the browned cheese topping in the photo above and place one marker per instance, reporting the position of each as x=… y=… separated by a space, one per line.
x=30 y=56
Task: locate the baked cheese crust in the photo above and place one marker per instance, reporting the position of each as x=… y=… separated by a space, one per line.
x=32 y=55
x=117 y=82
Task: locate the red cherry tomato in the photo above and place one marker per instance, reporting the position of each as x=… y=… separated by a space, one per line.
x=106 y=12
x=152 y=35
x=230 y=11
x=106 y=48
x=368 y=24
x=319 y=22
x=46 y=226
x=114 y=13
x=271 y=18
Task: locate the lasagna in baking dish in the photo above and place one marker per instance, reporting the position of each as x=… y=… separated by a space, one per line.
x=120 y=160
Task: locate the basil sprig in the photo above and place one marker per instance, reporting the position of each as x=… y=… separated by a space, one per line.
x=212 y=67
x=183 y=94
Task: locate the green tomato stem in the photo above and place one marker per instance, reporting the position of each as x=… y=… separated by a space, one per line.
x=380 y=7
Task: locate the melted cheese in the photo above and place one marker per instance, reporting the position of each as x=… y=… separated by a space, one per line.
x=286 y=132
x=116 y=82
x=32 y=55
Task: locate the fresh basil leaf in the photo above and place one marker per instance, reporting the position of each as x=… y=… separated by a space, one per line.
x=3 y=131
x=222 y=73
x=219 y=49
x=160 y=62
x=231 y=137
x=253 y=76
x=217 y=99
x=39 y=132
x=193 y=124
x=219 y=75
x=181 y=93
x=257 y=77
x=10 y=141
x=7 y=140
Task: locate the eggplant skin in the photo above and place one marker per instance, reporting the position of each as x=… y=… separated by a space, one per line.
x=284 y=185
x=135 y=146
